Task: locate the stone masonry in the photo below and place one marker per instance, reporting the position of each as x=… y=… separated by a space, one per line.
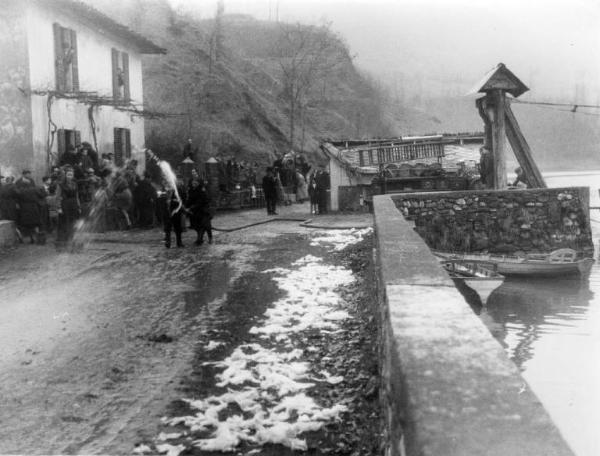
x=508 y=221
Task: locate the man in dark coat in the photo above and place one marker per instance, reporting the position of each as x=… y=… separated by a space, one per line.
x=9 y=200
x=29 y=200
x=172 y=212
x=269 y=185
x=198 y=204
x=145 y=196
x=486 y=167
x=322 y=181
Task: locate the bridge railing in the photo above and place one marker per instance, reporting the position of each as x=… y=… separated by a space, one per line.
x=398 y=153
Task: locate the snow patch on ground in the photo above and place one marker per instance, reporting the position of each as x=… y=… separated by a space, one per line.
x=340 y=238
x=270 y=386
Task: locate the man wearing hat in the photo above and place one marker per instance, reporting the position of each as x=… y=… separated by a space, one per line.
x=25 y=180
x=269 y=185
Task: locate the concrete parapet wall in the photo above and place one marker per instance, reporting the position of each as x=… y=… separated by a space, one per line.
x=502 y=221
x=448 y=387
x=8 y=234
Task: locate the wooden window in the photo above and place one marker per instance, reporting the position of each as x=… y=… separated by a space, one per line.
x=65 y=59
x=120 y=76
x=65 y=138
x=122 y=145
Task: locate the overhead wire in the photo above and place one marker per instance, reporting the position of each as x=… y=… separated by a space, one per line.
x=555 y=106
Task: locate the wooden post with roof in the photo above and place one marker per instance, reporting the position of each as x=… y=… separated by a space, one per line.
x=500 y=123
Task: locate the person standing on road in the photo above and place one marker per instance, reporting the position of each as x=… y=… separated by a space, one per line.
x=172 y=211
x=122 y=197
x=146 y=199
x=69 y=208
x=269 y=185
x=301 y=187
x=198 y=203
x=30 y=214
x=322 y=185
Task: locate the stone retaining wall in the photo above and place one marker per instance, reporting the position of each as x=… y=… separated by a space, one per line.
x=448 y=388
x=538 y=220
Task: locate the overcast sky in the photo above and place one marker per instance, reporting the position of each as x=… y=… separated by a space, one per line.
x=447 y=45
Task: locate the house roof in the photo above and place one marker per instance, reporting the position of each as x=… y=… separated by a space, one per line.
x=501 y=78
x=103 y=23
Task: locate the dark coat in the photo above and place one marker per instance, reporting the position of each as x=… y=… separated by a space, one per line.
x=68 y=197
x=269 y=185
x=30 y=202
x=8 y=202
x=198 y=204
x=145 y=193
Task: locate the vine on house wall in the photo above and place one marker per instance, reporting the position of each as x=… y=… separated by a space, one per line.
x=93 y=100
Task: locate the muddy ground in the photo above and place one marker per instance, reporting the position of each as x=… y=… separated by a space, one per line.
x=103 y=345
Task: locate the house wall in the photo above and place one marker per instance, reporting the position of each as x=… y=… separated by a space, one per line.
x=15 y=110
x=71 y=115
x=94 y=54
x=339 y=178
x=95 y=75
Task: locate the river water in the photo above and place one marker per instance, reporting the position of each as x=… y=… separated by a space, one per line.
x=550 y=328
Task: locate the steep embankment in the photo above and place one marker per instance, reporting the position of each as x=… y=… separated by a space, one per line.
x=225 y=78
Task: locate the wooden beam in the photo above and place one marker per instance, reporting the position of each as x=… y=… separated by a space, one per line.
x=499 y=138
x=522 y=151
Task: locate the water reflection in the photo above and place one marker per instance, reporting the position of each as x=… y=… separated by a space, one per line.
x=520 y=311
x=550 y=328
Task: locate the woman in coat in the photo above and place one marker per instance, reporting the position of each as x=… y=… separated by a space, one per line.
x=301 y=187
x=69 y=208
x=123 y=198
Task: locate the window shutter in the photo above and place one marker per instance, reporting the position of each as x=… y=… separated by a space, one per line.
x=61 y=147
x=74 y=66
x=125 y=58
x=59 y=64
x=115 y=78
x=118 y=144
x=77 y=137
x=127 y=143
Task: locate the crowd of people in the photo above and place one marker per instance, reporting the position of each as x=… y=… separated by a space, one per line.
x=84 y=188
x=80 y=186
x=288 y=177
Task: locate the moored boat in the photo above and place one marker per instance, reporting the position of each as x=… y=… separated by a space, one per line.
x=478 y=276
x=559 y=263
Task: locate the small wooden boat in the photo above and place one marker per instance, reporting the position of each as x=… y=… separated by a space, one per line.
x=562 y=262
x=479 y=277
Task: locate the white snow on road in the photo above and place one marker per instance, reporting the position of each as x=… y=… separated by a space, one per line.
x=272 y=386
x=340 y=239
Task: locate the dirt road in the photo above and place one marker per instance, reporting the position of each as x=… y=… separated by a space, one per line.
x=100 y=347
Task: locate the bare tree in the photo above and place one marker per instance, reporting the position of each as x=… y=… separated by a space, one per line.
x=305 y=54
x=217 y=36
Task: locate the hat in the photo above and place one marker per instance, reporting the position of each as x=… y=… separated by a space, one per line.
x=90 y=170
x=26 y=171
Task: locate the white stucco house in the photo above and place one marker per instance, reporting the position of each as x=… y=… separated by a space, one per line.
x=68 y=74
